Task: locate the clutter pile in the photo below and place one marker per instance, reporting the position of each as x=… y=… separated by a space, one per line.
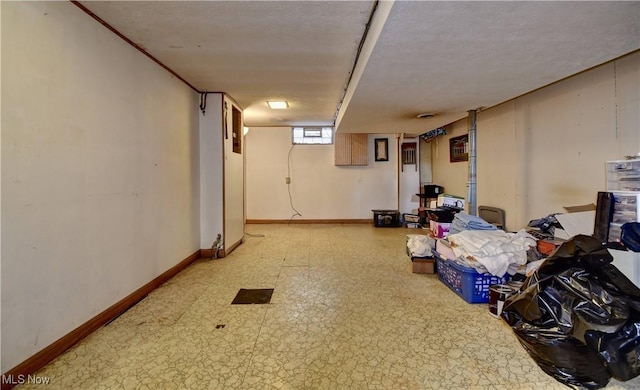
x=546 y=225
x=440 y=221
x=476 y=254
x=419 y=249
x=578 y=316
x=494 y=251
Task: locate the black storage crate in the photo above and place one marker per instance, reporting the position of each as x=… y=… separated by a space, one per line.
x=386 y=218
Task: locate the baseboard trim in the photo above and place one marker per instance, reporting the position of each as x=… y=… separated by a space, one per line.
x=309 y=221
x=42 y=358
x=208 y=253
x=233 y=246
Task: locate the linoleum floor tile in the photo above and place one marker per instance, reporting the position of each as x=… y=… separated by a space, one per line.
x=346 y=313
x=279 y=370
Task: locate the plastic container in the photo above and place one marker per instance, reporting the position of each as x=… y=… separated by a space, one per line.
x=411 y=218
x=386 y=218
x=623 y=175
x=470 y=285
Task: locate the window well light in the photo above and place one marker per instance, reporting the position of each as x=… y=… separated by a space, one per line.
x=278 y=105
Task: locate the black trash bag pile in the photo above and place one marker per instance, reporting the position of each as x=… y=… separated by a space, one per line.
x=578 y=316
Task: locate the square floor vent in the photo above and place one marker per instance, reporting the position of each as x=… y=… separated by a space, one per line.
x=255 y=296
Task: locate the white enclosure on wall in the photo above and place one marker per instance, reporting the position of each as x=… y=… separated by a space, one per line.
x=221 y=174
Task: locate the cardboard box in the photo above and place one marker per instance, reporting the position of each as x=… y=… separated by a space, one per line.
x=575 y=223
x=423 y=265
x=577 y=209
x=439 y=229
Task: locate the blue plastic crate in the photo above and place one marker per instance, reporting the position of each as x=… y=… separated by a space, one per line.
x=470 y=285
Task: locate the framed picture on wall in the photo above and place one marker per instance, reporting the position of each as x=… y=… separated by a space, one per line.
x=382 y=149
x=459 y=148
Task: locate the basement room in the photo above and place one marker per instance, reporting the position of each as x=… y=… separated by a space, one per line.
x=321 y=195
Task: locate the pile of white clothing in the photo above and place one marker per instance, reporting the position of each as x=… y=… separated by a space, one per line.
x=420 y=245
x=497 y=251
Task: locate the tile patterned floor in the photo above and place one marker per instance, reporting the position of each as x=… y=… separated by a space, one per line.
x=346 y=313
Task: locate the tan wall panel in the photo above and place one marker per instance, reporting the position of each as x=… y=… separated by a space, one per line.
x=359 y=149
x=342 y=147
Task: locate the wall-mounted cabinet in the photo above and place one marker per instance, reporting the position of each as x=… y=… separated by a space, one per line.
x=351 y=149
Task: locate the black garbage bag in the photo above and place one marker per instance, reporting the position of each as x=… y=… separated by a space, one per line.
x=578 y=316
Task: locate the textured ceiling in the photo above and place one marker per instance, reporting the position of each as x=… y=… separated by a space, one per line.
x=419 y=56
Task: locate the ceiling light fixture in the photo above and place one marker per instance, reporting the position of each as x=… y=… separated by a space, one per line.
x=425 y=115
x=278 y=105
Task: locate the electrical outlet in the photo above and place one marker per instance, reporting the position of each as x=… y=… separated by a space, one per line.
x=287 y=180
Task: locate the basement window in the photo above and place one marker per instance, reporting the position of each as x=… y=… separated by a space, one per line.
x=312 y=135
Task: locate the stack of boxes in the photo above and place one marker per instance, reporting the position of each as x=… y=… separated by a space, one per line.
x=441 y=217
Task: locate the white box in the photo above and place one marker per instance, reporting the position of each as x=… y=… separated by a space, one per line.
x=628 y=263
x=446 y=200
x=575 y=223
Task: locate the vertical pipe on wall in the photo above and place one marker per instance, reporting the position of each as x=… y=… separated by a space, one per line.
x=400 y=167
x=472 y=163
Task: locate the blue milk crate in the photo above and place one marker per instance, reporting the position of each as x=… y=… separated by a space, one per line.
x=470 y=285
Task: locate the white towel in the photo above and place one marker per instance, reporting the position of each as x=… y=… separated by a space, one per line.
x=495 y=249
x=419 y=245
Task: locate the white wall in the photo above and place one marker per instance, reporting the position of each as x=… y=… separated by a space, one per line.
x=319 y=189
x=626 y=72
x=547 y=149
x=100 y=188
x=452 y=176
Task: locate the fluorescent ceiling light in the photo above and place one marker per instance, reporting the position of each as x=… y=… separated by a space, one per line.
x=278 y=105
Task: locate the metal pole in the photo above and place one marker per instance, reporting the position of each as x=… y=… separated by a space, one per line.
x=472 y=162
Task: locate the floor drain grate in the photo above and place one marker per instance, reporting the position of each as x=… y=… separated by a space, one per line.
x=256 y=296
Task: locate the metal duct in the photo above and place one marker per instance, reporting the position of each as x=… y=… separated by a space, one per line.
x=471 y=184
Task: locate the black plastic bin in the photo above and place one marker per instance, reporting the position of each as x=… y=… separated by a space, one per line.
x=386 y=218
